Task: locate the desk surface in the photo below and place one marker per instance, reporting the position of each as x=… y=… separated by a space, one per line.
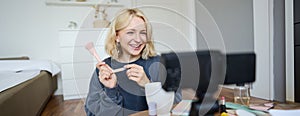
x=228 y=94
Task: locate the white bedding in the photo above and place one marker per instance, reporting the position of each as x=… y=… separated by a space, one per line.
x=14 y=72
x=10 y=79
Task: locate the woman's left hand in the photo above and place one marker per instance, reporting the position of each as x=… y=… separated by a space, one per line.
x=137 y=74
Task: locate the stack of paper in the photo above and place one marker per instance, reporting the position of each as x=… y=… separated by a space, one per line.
x=276 y=112
x=182 y=108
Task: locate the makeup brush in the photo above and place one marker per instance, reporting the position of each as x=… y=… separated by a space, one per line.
x=90 y=47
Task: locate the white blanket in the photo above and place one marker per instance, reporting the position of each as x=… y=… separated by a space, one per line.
x=14 y=72
x=10 y=79
x=23 y=65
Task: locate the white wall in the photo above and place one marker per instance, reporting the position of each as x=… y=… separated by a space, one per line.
x=232 y=20
x=172 y=23
x=289 y=14
x=262 y=46
x=30 y=28
x=244 y=26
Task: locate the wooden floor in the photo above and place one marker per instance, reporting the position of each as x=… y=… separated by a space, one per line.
x=58 y=107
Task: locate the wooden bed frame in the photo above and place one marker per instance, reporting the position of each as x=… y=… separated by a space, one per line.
x=30 y=97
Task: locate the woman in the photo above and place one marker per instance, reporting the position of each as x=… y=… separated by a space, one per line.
x=130 y=45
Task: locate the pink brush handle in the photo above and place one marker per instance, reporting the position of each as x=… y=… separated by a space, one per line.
x=97 y=57
x=92 y=50
x=119 y=70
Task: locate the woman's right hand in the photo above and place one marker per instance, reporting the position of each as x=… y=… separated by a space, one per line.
x=106 y=76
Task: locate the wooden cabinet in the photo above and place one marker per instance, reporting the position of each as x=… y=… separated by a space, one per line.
x=77 y=64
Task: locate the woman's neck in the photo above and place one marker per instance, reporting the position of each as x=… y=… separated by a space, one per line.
x=128 y=58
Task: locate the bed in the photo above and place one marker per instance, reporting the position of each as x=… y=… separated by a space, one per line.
x=27 y=98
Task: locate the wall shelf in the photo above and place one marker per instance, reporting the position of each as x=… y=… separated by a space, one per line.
x=74 y=3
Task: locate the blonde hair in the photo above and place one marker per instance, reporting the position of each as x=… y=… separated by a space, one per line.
x=120 y=22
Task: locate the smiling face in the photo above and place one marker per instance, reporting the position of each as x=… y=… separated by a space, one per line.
x=133 y=39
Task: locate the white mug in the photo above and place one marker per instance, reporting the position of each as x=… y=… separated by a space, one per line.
x=163 y=100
